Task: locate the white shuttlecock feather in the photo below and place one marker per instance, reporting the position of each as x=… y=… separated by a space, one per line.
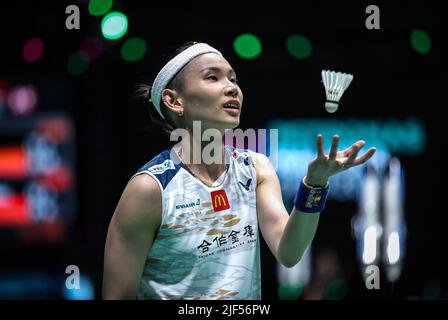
x=335 y=84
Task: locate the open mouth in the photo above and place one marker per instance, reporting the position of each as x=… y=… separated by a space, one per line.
x=232 y=105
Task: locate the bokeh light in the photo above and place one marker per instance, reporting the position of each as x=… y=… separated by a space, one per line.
x=91 y=47
x=86 y=290
x=133 y=49
x=247 y=46
x=289 y=292
x=99 y=7
x=77 y=63
x=336 y=289
x=299 y=46
x=22 y=100
x=33 y=49
x=421 y=41
x=114 y=25
x=4 y=92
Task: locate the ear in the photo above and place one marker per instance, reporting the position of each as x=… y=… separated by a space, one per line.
x=172 y=100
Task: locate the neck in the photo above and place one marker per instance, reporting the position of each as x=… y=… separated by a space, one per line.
x=204 y=158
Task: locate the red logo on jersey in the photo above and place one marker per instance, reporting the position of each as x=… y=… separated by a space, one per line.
x=220 y=201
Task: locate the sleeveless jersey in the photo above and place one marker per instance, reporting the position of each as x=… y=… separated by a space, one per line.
x=207 y=245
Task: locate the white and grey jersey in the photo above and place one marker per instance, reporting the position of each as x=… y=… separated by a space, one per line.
x=207 y=246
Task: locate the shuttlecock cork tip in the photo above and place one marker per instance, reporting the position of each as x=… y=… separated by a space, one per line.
x=331 y=107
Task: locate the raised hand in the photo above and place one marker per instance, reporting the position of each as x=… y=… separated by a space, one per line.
x=324 y=166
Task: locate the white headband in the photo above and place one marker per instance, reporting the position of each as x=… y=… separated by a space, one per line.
x=172 y=68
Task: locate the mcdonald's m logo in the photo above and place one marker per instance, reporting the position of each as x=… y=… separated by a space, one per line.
x=220 y=201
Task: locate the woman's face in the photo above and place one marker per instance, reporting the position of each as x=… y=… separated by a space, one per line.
x=210 y=93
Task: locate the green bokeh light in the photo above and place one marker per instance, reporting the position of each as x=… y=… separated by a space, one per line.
x=114 y=25
x=133 y=49
x=77 y=64
x=421 y=41
x=247 y=46
x=298 y=46
x=99 y=7
x=289 y=292
x=336 y=289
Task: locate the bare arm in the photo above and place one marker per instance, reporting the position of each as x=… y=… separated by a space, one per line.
x=287 y=236
x=131 y=233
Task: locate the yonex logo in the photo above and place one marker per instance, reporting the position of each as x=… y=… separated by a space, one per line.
x=247 y=185
x=313 y=199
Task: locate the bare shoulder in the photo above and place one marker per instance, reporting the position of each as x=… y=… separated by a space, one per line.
x=141 y=202
x=263 y=166
x=258 y=158
x=144 y=185
x=131 y=233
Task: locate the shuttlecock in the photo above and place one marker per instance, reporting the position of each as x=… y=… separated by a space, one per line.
x=335 y=84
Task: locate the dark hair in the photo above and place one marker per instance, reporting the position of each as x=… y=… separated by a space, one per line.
x=143 y=91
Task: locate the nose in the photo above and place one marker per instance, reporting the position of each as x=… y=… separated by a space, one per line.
x=231 y=90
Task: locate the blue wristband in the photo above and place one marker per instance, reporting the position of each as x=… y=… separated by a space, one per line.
x=309 y=199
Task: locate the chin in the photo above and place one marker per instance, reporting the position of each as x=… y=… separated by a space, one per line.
x=235 y=125
x=223 y=124
x=232 y=124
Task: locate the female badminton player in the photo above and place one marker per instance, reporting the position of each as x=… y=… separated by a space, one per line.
x=189 y=229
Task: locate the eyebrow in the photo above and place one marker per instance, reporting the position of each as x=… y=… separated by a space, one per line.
x=217 y=69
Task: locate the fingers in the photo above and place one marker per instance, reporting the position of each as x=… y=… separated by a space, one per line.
x=354 y=151
x=334 y=147
x=351 y=153
x=347 y=152
x=366 y=156
x=320 y=147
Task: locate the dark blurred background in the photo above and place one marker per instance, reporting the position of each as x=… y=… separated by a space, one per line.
x=67 y=95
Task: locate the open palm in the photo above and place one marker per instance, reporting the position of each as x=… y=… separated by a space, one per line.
x=324 y=166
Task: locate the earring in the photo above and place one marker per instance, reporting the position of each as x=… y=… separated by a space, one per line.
x=181 y=113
